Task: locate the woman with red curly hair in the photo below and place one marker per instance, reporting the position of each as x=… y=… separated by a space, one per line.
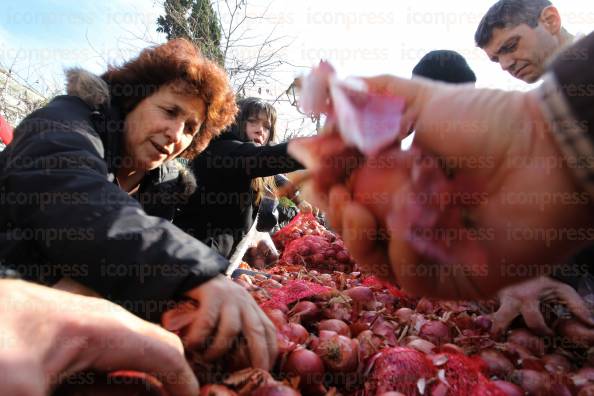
x=90 y=185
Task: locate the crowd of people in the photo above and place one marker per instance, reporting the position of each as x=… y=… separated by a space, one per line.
x=129 y=193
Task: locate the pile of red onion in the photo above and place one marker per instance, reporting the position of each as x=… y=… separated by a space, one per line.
x=349 y=333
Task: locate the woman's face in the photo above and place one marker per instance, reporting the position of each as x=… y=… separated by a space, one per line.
x=162 y=126
x=257 y=129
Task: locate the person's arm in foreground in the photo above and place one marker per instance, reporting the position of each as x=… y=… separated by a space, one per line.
x=49 y=334
x=511 y=130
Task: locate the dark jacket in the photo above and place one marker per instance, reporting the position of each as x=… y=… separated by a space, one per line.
x=62 y=215
x=221 y=211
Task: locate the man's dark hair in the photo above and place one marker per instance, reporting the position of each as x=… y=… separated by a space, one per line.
x=445 y=65
x=508 y=13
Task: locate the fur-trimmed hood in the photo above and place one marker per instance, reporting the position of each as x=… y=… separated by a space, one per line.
x=91 y=88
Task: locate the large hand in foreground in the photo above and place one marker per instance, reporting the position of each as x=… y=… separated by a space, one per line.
x=513 y=191
x=49 y=334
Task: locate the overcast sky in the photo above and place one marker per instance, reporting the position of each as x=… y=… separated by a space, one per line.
x=42 y=37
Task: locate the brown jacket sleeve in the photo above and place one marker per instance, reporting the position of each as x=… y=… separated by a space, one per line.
x=567 y=97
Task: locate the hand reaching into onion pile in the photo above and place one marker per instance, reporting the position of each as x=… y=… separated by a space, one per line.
x=463 y=213
x=525 y=299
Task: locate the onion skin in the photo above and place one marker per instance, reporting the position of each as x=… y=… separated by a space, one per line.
x=335 y=325
x=369 y=344
x=421 y=345
x=306 y=311
x=340 y=354
x=403 y=315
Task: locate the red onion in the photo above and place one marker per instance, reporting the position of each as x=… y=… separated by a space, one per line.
x=424 y=306
x=497 y=364
x=558 y=389
x=306 y=311
x=582 y=378
x=339 y=353
x=283 y=343
x=358 y=327
x=275 y=390
x=587 y=390
x=295 y=332
x=515 y=352
x=309 y=367
x=277 y=317
x=464 y=322
x=335 y=325
x=533 y=382
x=528 y=340
x=360 y=295
x=385 y=329
x=576 y=332
x=483 y=322
x=369 y=344
x=403 y=315
x=435 y=331
x=508 y=388
x=337 y=310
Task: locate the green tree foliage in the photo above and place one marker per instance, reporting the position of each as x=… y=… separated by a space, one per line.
x=195 y=20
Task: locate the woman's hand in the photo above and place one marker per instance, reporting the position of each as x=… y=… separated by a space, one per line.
x=47 y=335
x=226 y=311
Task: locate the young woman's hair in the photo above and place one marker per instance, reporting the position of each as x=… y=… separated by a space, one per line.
x=254 y=108
x=177 y=62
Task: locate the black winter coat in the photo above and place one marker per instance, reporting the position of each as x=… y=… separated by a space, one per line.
x=63 y=216
x=221 y=211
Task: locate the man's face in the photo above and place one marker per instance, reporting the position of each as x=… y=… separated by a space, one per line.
x=521 y=50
